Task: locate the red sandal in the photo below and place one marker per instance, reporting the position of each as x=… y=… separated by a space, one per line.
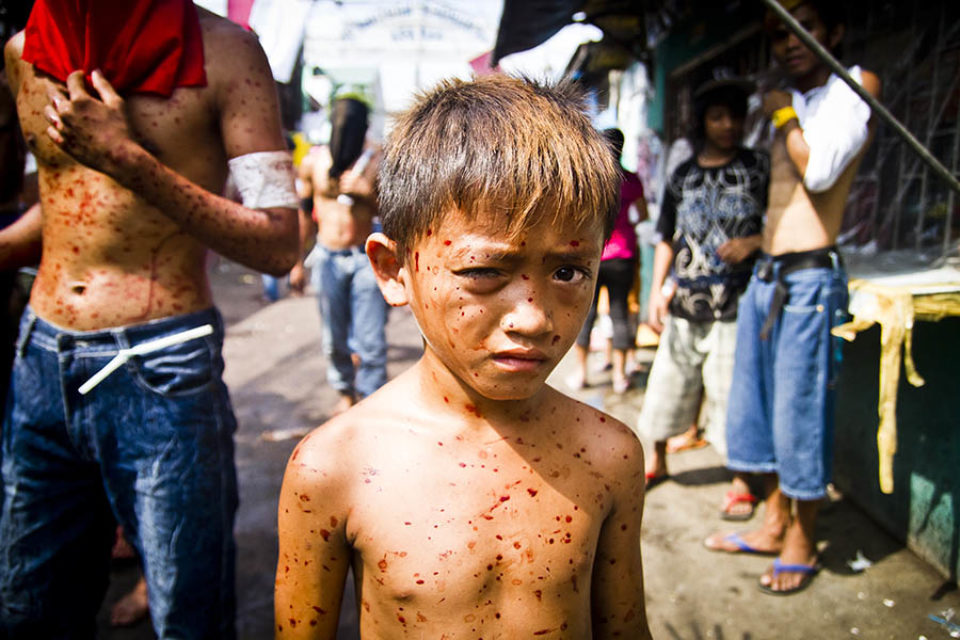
x=733 y=498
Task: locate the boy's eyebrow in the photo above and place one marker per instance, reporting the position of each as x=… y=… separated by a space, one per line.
x=500 y=253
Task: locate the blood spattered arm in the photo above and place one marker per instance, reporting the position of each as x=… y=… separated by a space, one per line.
x=617 y=600
x=93 y=129
x=314 y=554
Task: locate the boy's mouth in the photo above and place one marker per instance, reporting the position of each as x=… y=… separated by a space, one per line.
x=520 y=359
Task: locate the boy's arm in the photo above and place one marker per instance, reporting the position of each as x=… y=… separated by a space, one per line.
x=94 y=130
x=797 y=145
x=659 y=302
x=617 y=600
x=314 y=555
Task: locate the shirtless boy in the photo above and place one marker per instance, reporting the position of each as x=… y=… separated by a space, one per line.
x=128 y=212
x=780 y=420
x=470 y=499
x=341 y=181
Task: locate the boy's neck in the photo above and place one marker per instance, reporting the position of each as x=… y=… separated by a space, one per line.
x=446 y=392
x=816 y=78
x=713 y=156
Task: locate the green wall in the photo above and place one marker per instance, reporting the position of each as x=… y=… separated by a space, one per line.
x=924 y=509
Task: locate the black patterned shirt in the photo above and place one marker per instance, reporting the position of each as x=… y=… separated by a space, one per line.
x=702 y=208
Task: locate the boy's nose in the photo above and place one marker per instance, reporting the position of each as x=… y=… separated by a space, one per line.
x=528 y=317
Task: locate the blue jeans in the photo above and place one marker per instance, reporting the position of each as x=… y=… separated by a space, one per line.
x=780 y=414
x=354 y=316
x=151 y=447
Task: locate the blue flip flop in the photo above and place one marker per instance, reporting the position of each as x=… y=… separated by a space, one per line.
x=742 y=546
x=808 y=571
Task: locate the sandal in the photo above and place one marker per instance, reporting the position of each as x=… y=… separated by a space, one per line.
x=732 y=499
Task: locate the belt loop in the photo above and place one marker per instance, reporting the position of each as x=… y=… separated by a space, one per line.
x=834 y=259
x=25 y=330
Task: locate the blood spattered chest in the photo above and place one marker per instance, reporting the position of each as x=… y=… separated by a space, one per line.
x=486 y=535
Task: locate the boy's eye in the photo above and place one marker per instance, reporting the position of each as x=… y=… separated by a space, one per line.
x=571 y=274
x=478 y=273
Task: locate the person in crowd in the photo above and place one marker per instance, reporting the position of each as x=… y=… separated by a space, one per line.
x=136 y=112
x=618 y=272
x=341 y=181
x=780 y=420
x=709 y=225
x=471 y=498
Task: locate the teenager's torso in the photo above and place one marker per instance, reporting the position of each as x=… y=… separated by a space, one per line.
x=709 y=206
x=109 y=258
x=797 y=219
x=504 y=546
x=343 y=222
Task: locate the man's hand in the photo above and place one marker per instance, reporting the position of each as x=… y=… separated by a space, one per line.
x=737 y=250
x=93 y=130
x=776 y=99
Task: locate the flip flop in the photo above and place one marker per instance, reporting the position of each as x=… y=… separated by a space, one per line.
x=742 y=546
x=733 y=498
x=808 y=571
x=653 y=479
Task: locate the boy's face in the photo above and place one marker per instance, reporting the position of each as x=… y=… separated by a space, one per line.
x=500 y=313
x=722 y=127
x=790 y=53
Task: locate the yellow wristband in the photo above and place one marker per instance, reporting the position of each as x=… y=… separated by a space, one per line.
x=783 y=116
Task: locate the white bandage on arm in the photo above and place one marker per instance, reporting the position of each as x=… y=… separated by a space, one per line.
x=834 y=124
x=265 y=179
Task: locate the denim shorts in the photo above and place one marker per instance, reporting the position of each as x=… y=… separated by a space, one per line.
x=150 y=447
x=780 y=413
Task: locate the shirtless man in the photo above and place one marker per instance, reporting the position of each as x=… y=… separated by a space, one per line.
x=341 y=181
x=780 y=420
x=128 y=178
x=471 y=499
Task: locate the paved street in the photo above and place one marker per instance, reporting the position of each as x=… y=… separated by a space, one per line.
x=275 y=371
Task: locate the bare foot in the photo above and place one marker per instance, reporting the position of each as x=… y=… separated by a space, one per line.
x=689 y=439
x=759 y=542
x=784 y=576
x=131 y=608
x=344 y=403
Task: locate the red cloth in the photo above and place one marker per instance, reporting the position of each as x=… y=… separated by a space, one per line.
x=141 y=46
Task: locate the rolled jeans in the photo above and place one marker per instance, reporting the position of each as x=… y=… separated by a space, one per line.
x=150 y=447
x=354 y=316
x=780 y=415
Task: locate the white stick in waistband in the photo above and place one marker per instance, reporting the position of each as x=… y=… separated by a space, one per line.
x=146 y=347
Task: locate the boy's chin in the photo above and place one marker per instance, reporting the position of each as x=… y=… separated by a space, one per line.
x=500 y=391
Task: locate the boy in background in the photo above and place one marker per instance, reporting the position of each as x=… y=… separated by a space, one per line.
x=469 y=497
x=709 y=226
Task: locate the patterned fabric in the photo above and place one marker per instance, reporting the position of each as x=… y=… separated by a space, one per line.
x=702 y=209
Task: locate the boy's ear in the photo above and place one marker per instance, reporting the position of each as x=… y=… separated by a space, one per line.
x=382 y=252
x=836 y=36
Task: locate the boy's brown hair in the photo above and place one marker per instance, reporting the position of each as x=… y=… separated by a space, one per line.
x=500 y=146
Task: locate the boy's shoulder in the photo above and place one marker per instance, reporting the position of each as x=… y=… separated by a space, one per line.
x=599 y=433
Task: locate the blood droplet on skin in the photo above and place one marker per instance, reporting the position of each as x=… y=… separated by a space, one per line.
x=574 y=243
x=532 y=492
x=333 y=521
x=324 y=534
x=416 y=258
x=446 y=242
x=555 y=339
x=429 y=232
